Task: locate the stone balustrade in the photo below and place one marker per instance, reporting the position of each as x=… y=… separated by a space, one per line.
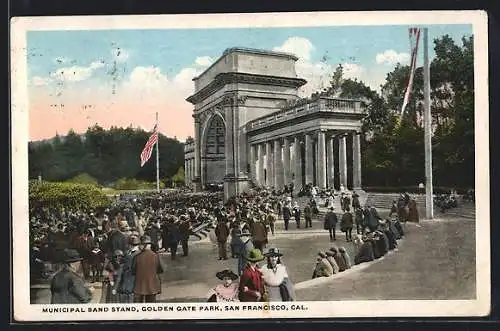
x=323 y=104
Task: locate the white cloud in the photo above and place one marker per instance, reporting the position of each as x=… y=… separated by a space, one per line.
x=318 y=74
x=40 y=81
x=204 y=61
x=151 y=82
x=301 y=47
x=120 y=55
x=391 y=57
x=76 y=73
x=97 y=65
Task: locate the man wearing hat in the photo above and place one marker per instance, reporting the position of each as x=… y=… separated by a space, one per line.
x=147 y=268
x=259 y=234
x=67 y=286
x=185 y=231
x=125 y=281
x=331 y=222
x=246 y=245
x=251 y=282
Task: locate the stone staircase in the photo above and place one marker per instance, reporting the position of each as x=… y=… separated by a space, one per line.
x=384 y=200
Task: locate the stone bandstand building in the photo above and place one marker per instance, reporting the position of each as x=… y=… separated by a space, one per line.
x=251 y=128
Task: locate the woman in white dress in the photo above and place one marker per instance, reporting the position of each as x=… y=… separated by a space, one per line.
x=276 y=280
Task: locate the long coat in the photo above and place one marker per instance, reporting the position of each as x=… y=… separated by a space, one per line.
x=330 y=220
x=222 y=232
x=259 y=232
x=243 y=250
x=68 y=287
x=413 y=211
x=251 y=278
x=323 y=268
x=346 y=222
x=125 y=281
x=273 y=279
x=147 y=270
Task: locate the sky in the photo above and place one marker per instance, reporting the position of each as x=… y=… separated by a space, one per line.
x=123 y=77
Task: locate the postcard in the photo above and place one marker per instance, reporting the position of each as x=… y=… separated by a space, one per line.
x=249 y=166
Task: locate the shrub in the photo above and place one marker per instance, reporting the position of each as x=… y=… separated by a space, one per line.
x=135 y=184
x=83 y=178
x=66 y=195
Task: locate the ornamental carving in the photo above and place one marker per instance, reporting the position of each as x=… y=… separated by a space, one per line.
x=233 y=99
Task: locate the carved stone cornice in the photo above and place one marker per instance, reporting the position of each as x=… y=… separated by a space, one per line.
x=237 y=77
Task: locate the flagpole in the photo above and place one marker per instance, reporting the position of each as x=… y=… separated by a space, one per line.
x=429 y=208
x=157 y=158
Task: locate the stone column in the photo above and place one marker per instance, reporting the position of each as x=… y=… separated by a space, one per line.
x=309 y=158
x=269 y=165
x=260 y=164
x=342 y=161
x=287 y=177
x=253 y=176
x=356 y=161
x=297 y=183
x=321 y=160
x=330 y=153
x=197 y=156
x=191 y=166
x=278 y=165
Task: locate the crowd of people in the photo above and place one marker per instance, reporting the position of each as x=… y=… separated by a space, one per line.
x=120 y=245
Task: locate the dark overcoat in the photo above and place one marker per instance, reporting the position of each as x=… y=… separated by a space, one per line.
x=68 y=288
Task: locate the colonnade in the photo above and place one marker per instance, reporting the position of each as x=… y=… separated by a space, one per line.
x=279 y=162
x=189 y=170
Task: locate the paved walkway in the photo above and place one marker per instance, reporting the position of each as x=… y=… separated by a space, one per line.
x=436 y=261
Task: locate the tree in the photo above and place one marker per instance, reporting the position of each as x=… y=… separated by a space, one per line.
x=178 y=178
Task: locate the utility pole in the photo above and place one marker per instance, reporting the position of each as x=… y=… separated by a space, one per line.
x=429 y=208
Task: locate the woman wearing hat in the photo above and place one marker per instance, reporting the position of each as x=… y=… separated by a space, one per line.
x=67 y=286
x=276 y=279
x=227 y=291
x=251 y=283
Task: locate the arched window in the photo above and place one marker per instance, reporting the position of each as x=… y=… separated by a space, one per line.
x=216 y=133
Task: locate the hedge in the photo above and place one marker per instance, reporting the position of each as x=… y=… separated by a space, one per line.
x=134 y=184
x=66 y=195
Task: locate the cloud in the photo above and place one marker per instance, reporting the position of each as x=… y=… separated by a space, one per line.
x=76 y=73
x=40 y=81
x=120 y=55
x=151 y=83
x=318 y=74
x=391 y=57
x=97 y=65
x=204 y=61
x=301 y=47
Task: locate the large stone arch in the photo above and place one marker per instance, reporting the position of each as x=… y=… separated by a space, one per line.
x=213 y=140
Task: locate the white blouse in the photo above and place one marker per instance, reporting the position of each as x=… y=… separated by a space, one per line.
x=274 y=278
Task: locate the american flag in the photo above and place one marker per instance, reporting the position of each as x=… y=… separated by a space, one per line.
x=414 y=34
x=148 y=148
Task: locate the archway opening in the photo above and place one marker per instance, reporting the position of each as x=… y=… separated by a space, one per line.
x=214 y=154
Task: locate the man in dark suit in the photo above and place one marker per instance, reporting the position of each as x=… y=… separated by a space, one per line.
x=331 y=222
x=126 y=280
x=67 y=286
x=147 y=268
